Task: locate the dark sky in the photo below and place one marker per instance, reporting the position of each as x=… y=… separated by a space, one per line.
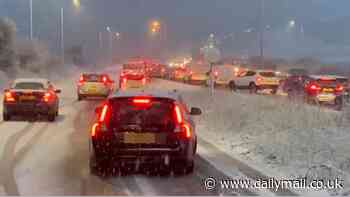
x=187 y=23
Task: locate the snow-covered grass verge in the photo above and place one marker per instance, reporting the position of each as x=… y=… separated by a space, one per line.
x=293 y=139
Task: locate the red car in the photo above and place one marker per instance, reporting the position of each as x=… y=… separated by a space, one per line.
x=325 y=90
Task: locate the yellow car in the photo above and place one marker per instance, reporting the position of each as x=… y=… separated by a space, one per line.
x=94 y=85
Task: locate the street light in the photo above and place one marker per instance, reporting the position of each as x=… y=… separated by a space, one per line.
x=76 y=3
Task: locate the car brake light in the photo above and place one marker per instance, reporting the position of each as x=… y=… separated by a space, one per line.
x=9 y=97
x=81 y=80
x=103 y=113
x=178 y=114
x=94 y=129
x=187 y=130
x=259 y=79
x=314 y=87
x=47 y=97
x=104 y=79
x=216 y=73
x=143 y=81
x=339 y=88
x=141 y=101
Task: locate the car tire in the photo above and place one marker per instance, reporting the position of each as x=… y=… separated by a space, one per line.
x=51 y=117
x=232 y=86
x=252 y=88
x=6 y=117
x=339 y=104
x=80 y=97
x=182 y=167
x=274 y=91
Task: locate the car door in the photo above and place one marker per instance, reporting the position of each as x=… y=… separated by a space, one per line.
x=240 y=79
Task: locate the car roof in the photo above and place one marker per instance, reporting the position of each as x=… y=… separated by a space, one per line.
x=174 y=95
x=31 y=80
x=323 y=76
x=94 y=73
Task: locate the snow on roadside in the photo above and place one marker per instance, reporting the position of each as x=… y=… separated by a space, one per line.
x=274 y=133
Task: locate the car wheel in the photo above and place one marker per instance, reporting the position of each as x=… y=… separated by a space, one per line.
x=339 y=104
x=189 y=168
x=274 y=91
x=6 y=117
x=51 y=117
x=252 y=88
x=232 y=86
x=80 y=97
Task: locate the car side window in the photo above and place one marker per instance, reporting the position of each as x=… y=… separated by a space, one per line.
x=250 y=73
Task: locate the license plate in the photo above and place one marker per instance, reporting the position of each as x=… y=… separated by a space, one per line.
x=328 y=90
x=139 y=138
x=326 y=97
x=27 y=97
x=92 y=89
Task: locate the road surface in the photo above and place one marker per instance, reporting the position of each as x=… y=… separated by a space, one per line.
x=42 y=158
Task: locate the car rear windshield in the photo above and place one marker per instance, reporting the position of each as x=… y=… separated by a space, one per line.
x=327 y=82
x=133 y=66
x=29 y=86
x=268 y=74
x=298 y=72
x=156 y=116
x=93 y=77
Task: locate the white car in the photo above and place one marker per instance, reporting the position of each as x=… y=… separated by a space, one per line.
x=255 y=80
x=223 y=74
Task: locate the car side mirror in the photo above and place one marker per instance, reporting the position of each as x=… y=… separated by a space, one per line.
x=98 y=110
x=195 y=111
x=57 y=91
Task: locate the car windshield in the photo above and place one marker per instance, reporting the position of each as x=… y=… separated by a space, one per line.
x=268 y=74
x=92 y=77
x=133 y=66
x=157 y=116
x=29 y=86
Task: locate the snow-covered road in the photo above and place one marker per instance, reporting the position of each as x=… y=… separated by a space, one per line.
x=41 y=158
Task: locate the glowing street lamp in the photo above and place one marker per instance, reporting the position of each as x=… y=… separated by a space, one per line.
x=76 y=3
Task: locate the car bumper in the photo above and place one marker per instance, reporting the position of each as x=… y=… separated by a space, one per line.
x=268 y=86
x=29 y=108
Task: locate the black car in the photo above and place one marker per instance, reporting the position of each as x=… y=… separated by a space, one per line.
x=294 y=84
x=31 y=97
x=148 y=132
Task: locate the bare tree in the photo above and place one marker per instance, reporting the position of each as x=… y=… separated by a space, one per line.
x=7 y=40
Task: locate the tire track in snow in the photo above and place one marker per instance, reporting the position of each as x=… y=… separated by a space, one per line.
x=7 y=161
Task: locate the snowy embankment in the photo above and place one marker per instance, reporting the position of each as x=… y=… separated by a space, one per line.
x=293 y=139
x=273 y=135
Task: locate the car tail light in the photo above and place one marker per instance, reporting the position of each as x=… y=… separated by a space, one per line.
x=104 y=112
x=47 y=97
x=187 y=130
x=101 y=125
x=104 y=79
x=314 y=87
x=191 y=73
x=141 y=101
x=339 y=88
x=124 y=79
x=81 y=80
x=9 y=97
x=259 y=79
x=178 y=114
x=144 y=81
x=216 y=73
